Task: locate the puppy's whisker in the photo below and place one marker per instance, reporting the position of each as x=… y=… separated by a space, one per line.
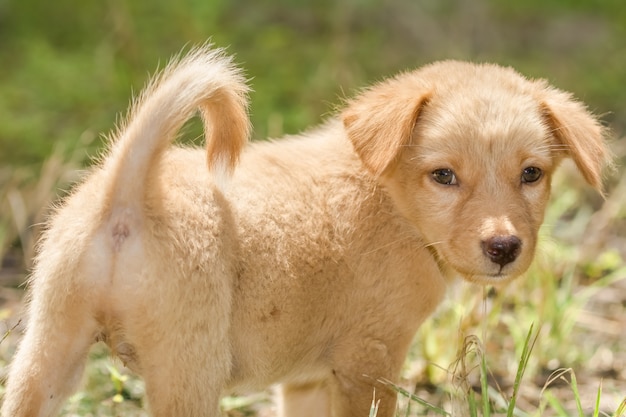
x=390 y=244
x=432 y=244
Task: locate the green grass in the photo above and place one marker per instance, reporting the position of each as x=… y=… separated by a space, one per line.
x=492 y=401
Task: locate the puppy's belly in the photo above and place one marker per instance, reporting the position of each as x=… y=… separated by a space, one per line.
x=274 y=340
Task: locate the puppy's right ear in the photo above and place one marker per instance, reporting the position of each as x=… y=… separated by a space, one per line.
x=578 y=133
x=380 y=121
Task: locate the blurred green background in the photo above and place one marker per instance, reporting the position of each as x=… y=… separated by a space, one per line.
x=68 y=67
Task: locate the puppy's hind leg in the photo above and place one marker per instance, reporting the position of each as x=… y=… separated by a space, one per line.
x=183 y=348
x=179 y=382
x=50 y=360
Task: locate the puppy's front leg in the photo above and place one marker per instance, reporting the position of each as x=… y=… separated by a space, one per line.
x=357 y=365
x=352 y=397
x=311 y=399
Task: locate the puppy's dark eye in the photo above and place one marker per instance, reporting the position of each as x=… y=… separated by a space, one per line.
x=444 y=176
x=531 y=174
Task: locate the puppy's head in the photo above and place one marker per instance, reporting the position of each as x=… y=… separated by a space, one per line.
x=467 y=153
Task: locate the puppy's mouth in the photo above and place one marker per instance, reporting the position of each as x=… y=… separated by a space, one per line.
x=498 y=262
x=488 y=279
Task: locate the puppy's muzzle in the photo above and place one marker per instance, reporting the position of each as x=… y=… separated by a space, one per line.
x=502 y=250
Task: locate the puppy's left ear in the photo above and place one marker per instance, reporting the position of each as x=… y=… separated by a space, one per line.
x=380 y=121
x=578 y=133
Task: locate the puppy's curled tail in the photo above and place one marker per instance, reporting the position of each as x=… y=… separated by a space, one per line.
x=206 y=80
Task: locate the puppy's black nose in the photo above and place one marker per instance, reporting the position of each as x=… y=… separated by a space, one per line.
x=502 y=250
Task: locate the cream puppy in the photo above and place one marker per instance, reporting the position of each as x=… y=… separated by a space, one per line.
x=309 y=261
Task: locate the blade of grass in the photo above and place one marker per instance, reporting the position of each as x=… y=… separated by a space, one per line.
x=528 y=347
x=408 y=409
x=471 y=400
x=231 y=403
x=500 y=403
x=556 y=405
x=574 y=385
x=471 y=345
x=413 y=397
x=8 y=332
x=375 y=405
x=484 y=383
x=546 y=396
x=484 y=386
x=621 y=410
x=596 y=408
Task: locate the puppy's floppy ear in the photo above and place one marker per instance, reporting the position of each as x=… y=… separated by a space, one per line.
x=380 y=121
x=578 y=133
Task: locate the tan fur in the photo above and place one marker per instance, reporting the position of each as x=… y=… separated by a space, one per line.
x=317 y=262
